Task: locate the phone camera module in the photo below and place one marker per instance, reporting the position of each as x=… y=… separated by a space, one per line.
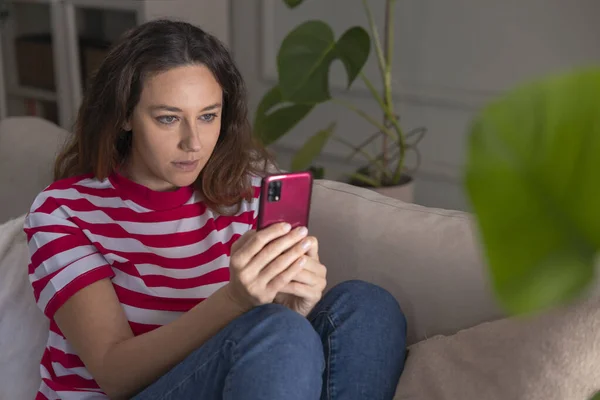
x=274 y=192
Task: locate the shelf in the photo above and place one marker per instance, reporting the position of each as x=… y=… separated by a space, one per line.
x=33 y=1
x=32 y=93
x=68 y=22
x=131 y=5
x=125 y=5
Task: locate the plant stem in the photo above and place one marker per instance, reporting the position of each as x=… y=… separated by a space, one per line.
x=389 y=116
x=389 y=50
x=364 y=115
x=386 y=102
x=372 y=159
x=387 y=75
x=387 y=108
x=389 y=46
x=364 y=143
x=375 y=34
x=373 y=91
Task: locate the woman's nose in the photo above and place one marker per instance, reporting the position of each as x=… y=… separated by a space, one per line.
x=191 y=139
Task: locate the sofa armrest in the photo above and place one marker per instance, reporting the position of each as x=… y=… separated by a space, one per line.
x=426 y=257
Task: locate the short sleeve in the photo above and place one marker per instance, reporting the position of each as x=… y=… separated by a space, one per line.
x=63 y=260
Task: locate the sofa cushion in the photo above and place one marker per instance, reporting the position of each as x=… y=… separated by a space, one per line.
x=23 y=327
x=28 y=147
x=427 y=258
x=549 y=356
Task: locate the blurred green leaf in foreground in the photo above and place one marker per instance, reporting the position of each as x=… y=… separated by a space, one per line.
x=533 y=178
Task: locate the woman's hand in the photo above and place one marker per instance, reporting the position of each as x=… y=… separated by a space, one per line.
x=306 y=288
x=263 y=263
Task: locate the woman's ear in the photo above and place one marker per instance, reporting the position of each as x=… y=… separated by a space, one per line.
x=127 y=125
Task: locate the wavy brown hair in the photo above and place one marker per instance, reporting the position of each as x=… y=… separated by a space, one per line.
x=99 y=144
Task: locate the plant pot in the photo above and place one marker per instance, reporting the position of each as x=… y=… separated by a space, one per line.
x=404 y=192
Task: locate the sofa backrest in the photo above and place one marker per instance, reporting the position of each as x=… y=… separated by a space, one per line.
x=428 y=258
x=23 y=327
x=28 y=147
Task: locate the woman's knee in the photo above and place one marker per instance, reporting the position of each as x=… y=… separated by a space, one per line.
x=371 y=300
x=282 y=327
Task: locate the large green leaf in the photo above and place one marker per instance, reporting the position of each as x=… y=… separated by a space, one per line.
x=532 y=177
x=306 y=54
x=293 y=3
x=274 y=117
x=353 y=50
x=311 y=149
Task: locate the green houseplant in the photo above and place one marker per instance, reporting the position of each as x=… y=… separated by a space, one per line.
x=303 y=63
x=531 y=175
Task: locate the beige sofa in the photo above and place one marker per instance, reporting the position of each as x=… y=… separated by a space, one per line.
x=428 y=258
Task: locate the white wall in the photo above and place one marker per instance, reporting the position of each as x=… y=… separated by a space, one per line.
x=211 y=15
x=451 y=57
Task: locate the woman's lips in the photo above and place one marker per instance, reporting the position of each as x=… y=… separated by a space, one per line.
x=186 y=166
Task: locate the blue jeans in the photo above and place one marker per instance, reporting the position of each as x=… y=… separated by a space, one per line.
x=351 y=346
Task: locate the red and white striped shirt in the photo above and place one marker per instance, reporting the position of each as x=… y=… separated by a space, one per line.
x=163 y=251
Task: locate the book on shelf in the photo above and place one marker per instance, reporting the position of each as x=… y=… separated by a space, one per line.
x=42 y=109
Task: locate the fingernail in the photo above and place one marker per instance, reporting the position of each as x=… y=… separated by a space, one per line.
x=306 y=244
x=286 y=227
x=302 y=231
x=302 y=261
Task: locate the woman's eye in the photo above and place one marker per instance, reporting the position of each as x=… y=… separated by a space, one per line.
x=167 y=119
x=208 y=117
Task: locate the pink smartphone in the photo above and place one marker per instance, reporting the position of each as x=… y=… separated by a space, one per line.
x=285 y=197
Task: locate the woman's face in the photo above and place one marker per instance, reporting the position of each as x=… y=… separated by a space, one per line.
x=175 y=127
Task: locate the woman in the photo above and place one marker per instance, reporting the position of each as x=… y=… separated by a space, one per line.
x=145 y=260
